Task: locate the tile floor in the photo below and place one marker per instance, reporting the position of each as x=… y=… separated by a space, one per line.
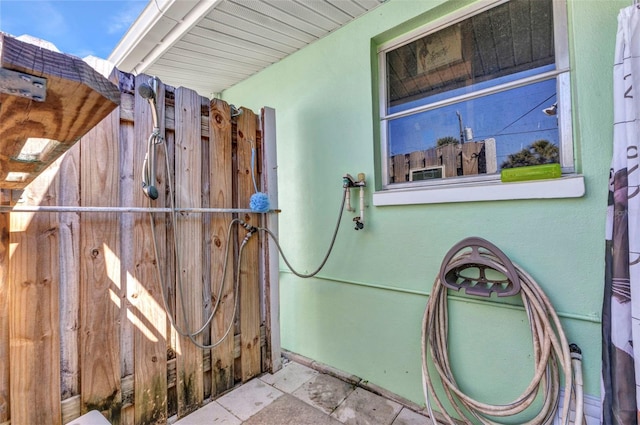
x=300 y=395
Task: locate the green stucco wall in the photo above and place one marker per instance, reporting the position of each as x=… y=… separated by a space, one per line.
x=363 y=312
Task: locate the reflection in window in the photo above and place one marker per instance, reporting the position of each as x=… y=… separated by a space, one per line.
x=477 y=136
x=474 y=97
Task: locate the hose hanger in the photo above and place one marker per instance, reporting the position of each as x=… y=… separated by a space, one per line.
x=455 y=271
x=472 y=265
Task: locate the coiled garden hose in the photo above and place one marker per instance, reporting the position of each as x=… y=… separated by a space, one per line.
x=551 y=355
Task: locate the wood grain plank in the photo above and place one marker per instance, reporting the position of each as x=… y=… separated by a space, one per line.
x=449 y=159
x=270 y=255
x=221 y=196
x=470 y=152
x=5 y=367
x=189 y=309
x=101 y=290
x=207 y=382
x=70 y=275
x=34 y=294
x=129 y=185
x=143 y=289
x=249 y=261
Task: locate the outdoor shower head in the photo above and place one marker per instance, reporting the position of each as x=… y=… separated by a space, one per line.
x=150 y=191
x=147 y=92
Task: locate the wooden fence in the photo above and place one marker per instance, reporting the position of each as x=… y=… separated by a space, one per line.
x=451 y=160
x=82 y=319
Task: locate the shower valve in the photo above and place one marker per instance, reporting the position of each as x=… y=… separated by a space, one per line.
x=348 y=181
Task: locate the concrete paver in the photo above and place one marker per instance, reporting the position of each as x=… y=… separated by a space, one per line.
x=288 y=410
x=363 y=407
x=249 y=399
x=324 y=392
x=212 y=413
x=290 y=377
x=299 y=395
x=409 y=417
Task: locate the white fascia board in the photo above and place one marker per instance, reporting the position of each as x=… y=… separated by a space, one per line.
x=156 y=30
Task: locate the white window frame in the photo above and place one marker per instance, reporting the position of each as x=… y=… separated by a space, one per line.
x=483 y=187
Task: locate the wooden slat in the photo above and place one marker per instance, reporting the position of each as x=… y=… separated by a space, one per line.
x=400 y=165
x=249 y=262
x=101 y=291
x=70 y=275
x=189 y=248
x=221 y=196
x=205 y=198
x=416 y=160
x=143 y=290
x=431 y=158
x=270 y=255
x=34 y=308
x=77 y=98
x=449 y=159
x=470 y=152
x=129 y=184
x=169 y=266
x=5 y=397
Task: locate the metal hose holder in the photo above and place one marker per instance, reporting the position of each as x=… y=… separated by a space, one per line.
x=458 y=263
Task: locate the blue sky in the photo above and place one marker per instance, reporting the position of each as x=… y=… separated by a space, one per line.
x=77 y=27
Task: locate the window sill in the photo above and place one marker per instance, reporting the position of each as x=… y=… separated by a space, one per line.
x=564 y=187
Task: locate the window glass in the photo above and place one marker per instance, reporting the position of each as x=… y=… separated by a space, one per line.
x=473 y=97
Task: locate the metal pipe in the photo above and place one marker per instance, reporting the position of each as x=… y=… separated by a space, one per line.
x=79 y=209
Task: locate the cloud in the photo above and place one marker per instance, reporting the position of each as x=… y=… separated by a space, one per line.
x=122 y=20
x=45 y=20
x=49 y=21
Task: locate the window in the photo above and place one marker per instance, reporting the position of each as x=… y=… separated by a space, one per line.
x=484 y=90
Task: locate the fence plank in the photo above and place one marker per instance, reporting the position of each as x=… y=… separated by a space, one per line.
x=416 y=160
x=101 y=291
x=34 y=308
x=270 y=256
x=189 y=309
x=221 y=196
x=145 y=298
x=169 y=252
x=207 y=382
x=470 y=152
x=249 y=262
x=5 y=397
x=450 y=159
x=129 y=184
x=70 y=275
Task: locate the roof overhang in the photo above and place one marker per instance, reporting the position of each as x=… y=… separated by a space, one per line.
x=210 y=45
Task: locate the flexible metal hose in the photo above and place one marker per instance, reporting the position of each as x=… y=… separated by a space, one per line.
x=551 y=355
x=187 y=331
x=327 y=254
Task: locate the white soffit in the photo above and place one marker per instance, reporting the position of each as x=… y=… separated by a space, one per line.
x=210 y=45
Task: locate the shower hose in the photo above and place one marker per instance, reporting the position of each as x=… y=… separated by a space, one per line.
x=187 y=331
x=552 y=354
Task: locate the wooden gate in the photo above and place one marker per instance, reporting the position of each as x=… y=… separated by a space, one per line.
x=83 y=323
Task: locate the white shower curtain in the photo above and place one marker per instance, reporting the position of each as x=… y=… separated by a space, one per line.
x=621 y=306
